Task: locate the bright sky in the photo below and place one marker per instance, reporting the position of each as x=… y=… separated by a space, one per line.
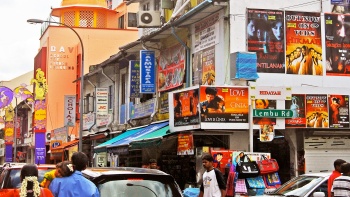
x=19 y=40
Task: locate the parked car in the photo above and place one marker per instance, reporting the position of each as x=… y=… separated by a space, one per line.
x=10 y=175
x=133 y=182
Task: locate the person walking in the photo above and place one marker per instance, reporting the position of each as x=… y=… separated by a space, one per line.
x=336 y=173
x=76 y=184
x=341 y=184
x=213 y=184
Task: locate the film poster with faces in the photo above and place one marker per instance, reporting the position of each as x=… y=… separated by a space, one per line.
x=224 y=104
x=171 y=68
x=265 y=36
x=186 y=111
x=264 y=104
x=303 y=43
x=338 y=106
x=297 y=105
x=317 y=111
x=337 y=38
x=203 y=70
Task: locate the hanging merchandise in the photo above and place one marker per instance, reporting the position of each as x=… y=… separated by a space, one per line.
x=273 y=179
x=267 y=166
x=248 y=168
x=256 y=182
x=241 y=187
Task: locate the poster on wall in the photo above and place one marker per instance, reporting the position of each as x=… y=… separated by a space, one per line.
x=197 y=68
x=163 y=111
x=264 y=104
x=185 y=145
x=171 y=69
x=317 y=111
x=222 y=159
x=297 y=105
x=338 y=111
x=208 y=66
x=337 y=61
x=266 y=133
x=186 y=111
x=224 y=104
x=265 y=36
x=303 y=43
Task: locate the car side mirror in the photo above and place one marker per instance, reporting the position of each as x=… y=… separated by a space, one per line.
x=319 y=194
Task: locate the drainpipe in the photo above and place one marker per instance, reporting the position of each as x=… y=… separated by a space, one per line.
x=88 y=80
x=188 y=56
x=113 y=84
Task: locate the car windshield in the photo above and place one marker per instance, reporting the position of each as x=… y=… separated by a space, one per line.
x=15 y=177
x=138 y=188
x=299 y=186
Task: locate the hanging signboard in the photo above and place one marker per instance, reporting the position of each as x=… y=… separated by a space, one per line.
x=69 y=110
x=134 y=78
x=147 y=72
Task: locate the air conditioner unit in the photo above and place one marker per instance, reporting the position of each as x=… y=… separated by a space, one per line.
x=147 y=19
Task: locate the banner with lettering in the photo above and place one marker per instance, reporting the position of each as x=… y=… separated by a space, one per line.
x=297 y=105
x=171 y=69
x=185 y=145
x=208 y=66
x=303 y=43
x=147 y=72
x=337 y=45
x=338 y=111
x=134 y=77
x=186 y=111
x=317 y=111
x=224 y=104
x=163 y=110
x=69 y=110
x=265 y=36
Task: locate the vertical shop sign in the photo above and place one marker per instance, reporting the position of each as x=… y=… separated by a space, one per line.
x=316 y=111
x=208 y=66
x=134 y=78
x=185 y=144
x=337 y=45
x=102 y=101
x=338 y=106
x=69 y=110
x=186 y=107
x=265 y=36
x=224 y=104
x=147 y=72
x=304 y=45
x=171 y=69
x=297 y=105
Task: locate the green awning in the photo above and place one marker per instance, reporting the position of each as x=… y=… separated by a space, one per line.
x=153 y=139
x=103 y=147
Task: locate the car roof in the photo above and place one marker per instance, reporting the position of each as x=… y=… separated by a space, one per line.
x=320 y=174
x=98 y=171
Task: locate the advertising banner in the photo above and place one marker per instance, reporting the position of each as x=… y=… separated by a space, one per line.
x=224 y=104
x=186 y=107
x=303 y=43
x=171 y=69
x=88 y=121
x=338 y=111
x=317 y=111
x=297 y=105
x=134 y=78
x=40 y=116
x=147 y=72
x=9 y=131
x=337 y=45
x=163 y=112
x=102 y=101
x=206 y=33
x=265 y=29
x=208 y=66
x=60 y=134
x=144 y=109
x=197 y=68
x=8 y=153
x=40 y=149
x=103 y=120
x=185 y=145
x=69 y=110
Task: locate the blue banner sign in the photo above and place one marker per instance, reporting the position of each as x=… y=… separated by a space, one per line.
x=340 y=2
x=144 y=109
x=134 y=78
x=147 y=72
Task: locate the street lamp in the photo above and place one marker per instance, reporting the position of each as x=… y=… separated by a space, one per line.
x=35 y=21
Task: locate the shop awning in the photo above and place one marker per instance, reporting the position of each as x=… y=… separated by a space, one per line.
x=64 y=146
x=153 y=139
x=102 y=147
x=145 y=131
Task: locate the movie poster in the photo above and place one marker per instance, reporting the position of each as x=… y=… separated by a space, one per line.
x=297 y=105
x=224 y=104
x=337 y=44
x=264 y=104
x=186 y=111
x=171 y=68
x=265 y=36
x=338 y=111
x=303 y=43
x=197 y=68
x=316 y=111
x=208 y=66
